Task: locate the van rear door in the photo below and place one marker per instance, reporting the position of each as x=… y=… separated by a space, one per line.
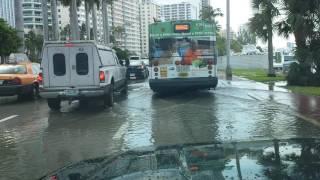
x=59 y=66
x=82 y=63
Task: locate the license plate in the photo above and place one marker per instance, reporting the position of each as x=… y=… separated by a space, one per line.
x=71 y=92
x=183 y=69
x=133 y=78
x=132 y=74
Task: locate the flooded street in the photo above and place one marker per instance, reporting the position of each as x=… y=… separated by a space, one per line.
x=35 y=140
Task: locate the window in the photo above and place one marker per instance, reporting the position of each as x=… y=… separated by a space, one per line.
x=107 y=58
x=59 y=64
x=82 y=64
x=35 y=69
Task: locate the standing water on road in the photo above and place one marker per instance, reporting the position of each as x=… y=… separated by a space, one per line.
x=39 y=140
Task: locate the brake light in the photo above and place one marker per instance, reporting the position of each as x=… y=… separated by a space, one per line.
x=102 y=76
x=40 y=78
x=68 y=45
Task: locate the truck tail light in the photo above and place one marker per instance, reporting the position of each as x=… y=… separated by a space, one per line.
x=40 y=78
x=102 y=76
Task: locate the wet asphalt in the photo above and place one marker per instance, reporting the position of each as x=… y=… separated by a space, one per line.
x=35 y=140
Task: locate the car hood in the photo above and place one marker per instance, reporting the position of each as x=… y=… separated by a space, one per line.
x=265 y=159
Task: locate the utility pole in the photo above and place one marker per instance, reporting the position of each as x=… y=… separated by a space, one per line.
x=19 y=23
x=228 y=69
x=45 y=20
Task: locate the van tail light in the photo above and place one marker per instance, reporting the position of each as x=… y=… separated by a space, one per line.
x=40 y=78
x=102 y=76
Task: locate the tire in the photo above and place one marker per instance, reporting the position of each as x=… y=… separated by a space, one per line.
x=125 y=88
x=109 y=98
x=34 y=94
x=54 y=104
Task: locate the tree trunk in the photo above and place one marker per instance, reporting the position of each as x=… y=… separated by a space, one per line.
x=94 y=21
x=271 y=72
x=45 y=20
x=88 y=25
x=106 y=34
x=19 y=23
x=75 y=35
x=55 y=26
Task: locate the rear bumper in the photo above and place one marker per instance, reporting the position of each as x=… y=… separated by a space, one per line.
x=83 y=93
x=14 y=90
x=137 y=73
x=165 y=85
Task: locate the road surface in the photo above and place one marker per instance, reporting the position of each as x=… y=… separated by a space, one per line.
x=35 y=140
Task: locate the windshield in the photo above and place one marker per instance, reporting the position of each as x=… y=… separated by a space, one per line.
x=289 y=58
x=13 y=69
x=129 y=89
x=135 y=58
x=184 y=49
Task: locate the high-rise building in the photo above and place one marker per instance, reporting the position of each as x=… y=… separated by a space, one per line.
x=124 y=23
x=149 y=12
x=181 y=11
x=7 y=11
x=32 y=15
x=204 y=4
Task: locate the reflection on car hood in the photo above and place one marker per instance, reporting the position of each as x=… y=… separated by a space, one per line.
x=276 y=159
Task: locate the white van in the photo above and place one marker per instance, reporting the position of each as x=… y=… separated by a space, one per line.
x=80 y=70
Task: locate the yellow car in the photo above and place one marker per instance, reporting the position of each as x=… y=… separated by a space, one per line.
x=20 y=79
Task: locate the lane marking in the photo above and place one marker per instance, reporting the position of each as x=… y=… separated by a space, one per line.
x=121 y=131
x=8 y=118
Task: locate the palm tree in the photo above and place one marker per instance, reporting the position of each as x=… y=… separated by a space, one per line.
x=19 y=22
x=54 y=14
x=92 y=5
x=45 y=20
x=262 y=24
x=73 y=4
x=210 y=14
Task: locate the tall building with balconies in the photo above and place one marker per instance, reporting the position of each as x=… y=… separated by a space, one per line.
x=204 y=4
x=180 y=11
x=32 y=15
x=149 y=11
x=7 y=11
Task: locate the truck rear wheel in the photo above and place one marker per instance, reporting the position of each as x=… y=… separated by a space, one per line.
x=54 y=104
x=109 y=98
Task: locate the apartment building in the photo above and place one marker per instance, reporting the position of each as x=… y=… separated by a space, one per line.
x=32 y=15
x=180 y=11
x=149 y=12
x=7 y=11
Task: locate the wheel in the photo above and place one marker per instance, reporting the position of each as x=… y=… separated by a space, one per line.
x=109 y=98
x=125 y=88
x=34 y=94
x=54 y=104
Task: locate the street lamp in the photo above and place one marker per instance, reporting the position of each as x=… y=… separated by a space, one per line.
x=228 y=69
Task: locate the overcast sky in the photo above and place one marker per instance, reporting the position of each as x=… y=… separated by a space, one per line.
x=241 y=12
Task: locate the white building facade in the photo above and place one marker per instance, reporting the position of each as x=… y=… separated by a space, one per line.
x=32 y=15
x=149 y=12
x=180 y=11
x=7 y=11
